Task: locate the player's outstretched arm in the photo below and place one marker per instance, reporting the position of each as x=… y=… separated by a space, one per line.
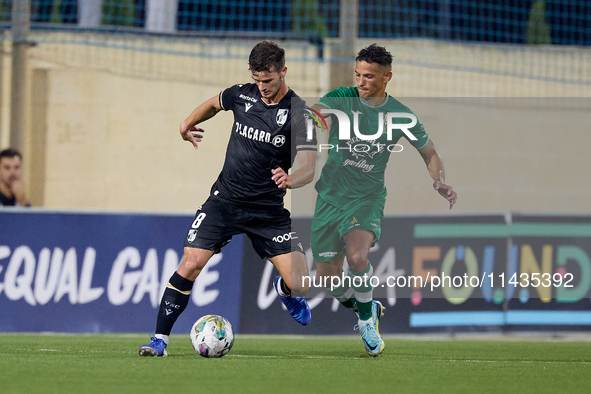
x=200 y=114
x=301 y=177
x=437 y=173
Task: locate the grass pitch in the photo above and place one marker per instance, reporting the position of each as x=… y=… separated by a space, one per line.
x=273 y=364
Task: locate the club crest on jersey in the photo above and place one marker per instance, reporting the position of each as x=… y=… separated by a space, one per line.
x=192 y=235
x=278 y=140
x=281 y=117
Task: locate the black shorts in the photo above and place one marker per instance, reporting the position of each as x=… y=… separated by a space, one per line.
x=217 y=221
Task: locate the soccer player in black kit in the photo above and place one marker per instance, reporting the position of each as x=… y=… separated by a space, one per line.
x=248 y=194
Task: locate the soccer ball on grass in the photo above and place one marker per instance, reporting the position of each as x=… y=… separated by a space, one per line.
x=212 y=336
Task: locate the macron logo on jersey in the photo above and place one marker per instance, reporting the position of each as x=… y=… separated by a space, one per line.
x=248 y=98
x=248 y=106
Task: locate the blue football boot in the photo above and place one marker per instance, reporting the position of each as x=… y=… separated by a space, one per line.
x=155 y=348
x=373 y=342
x=296 y=306
x=370 y=334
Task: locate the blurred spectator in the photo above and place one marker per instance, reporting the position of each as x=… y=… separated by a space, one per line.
x=12 y=187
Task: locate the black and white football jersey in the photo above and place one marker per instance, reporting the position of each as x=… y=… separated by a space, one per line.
x=264 y=137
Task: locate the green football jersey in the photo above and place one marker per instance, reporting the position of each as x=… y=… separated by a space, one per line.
x=355 y=167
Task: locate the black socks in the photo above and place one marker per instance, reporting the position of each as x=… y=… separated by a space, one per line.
x=174 y=301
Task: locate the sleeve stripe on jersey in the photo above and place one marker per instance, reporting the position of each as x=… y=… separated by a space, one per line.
x=306 y=147
x=423 y=145
x=221 y=101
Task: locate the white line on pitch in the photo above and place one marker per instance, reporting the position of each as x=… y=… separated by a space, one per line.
x=287 y=357
x=519 y=361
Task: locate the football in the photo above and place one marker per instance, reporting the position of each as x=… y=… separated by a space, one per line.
x=212 y=336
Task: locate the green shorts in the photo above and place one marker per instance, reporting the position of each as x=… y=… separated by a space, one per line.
x=330 y=224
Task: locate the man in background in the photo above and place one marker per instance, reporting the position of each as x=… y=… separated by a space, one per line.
x=12 y=187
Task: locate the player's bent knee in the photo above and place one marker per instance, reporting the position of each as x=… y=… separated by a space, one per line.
x=357 y=260
x=190 y=269
x=193 y=262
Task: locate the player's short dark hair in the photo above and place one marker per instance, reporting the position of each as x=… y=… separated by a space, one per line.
x=9 y=152
x=266 y=56
x=375 y=54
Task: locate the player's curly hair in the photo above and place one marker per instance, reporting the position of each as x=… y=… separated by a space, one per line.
x=375 y=54
x=266 y=56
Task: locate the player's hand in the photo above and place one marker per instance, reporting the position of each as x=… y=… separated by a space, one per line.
x=18 y=189
x=446 y=192
x=193 y=135
x=281 y=179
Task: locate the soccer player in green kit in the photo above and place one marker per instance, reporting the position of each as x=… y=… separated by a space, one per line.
x=351 y=191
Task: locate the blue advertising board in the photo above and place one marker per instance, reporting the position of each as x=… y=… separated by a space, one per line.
x=504 y=271
x=96 y=273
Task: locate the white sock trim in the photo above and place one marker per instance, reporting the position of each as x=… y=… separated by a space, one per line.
x=362 y=323
x=347 y=296
x=163 y=337
x=364 y=296
x=279 y=289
